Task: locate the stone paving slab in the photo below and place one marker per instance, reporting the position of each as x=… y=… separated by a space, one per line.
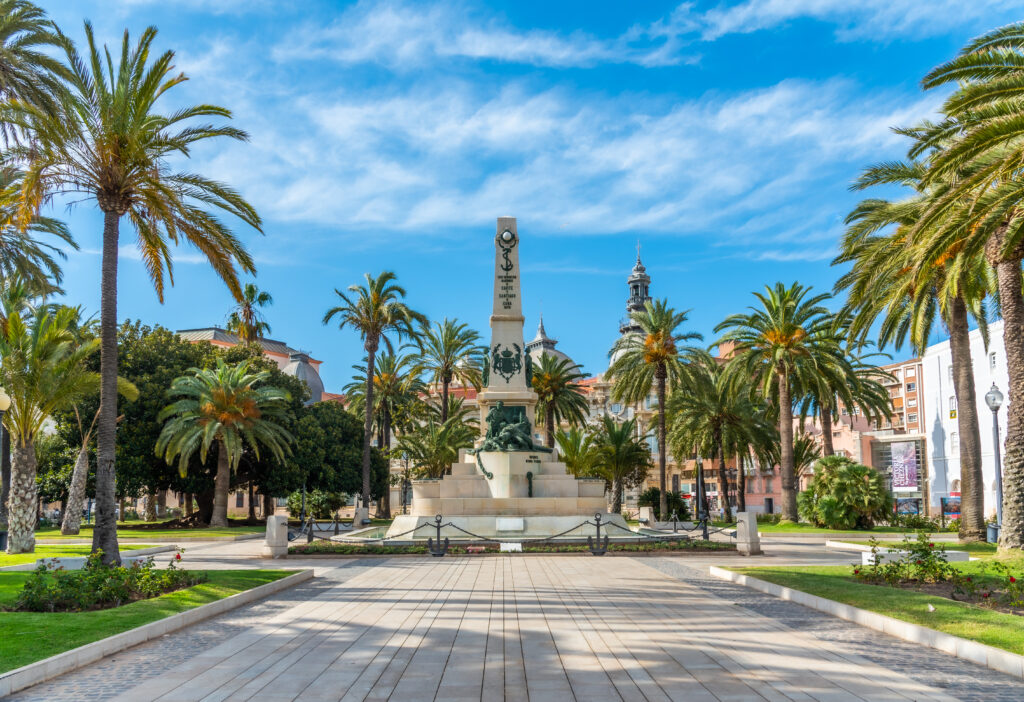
x=541 y=628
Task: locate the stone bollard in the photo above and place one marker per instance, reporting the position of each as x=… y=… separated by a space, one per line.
x=276 y=544
x=748 y=542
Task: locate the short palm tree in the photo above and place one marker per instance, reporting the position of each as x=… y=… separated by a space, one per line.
x=450 y=351
x=559 y=395
x=227 y=406
x=28 y=73
x=619 y=456
x=654 y=358
x=434 y=446
x=714 y=415
x=777 y=349
x=108 y=143
x=576 y=451
x=377 y=312
x=43 y=370
x=245 y=319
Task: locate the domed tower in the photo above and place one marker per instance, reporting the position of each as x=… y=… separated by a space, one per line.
x=639 y=293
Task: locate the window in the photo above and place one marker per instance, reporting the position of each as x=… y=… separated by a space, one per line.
x=750 y=487
x=652 y=443
x=650 y=402
x=616 y=408
x=767 y=484
x=911 y=387
x=912 y=418
x=911 y=403
x=954 y=441
x=239 y=499
x=952 y=406
x=675 y=483
x=992 y=361
x=911 y=372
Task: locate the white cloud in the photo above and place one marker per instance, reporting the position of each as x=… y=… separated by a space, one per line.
x=404 y=35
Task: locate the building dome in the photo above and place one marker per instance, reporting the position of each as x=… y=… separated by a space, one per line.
x=543 y=344
x=300 y=367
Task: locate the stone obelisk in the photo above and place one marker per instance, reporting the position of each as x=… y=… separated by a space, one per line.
x=507 y=360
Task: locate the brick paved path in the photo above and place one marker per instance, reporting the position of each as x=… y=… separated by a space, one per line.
x=523 y=628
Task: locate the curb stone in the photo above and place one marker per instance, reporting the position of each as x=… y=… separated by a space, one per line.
x=34 y=673
x=982 y=654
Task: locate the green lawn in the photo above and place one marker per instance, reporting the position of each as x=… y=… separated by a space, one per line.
x=52 y=551
x=138 y=532
x=766 y=528
x=1005 y=631
x=32 y=636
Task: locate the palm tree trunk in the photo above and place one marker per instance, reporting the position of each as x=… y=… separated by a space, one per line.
x=371 y=358
x=104 y=534
x=150 y=514
x=723 y=479
x=786 y=470
x=549 y=422
x=662 y=482
x=252 y=502
x=1011 y=535
x=972 y=484
x=268 y=505
x=384 y=509
x=444 y=398
x=23 y=500
x=72 y=521
x=827 y=449
x=741 y=484
x=188 y=504
x=221 y=486
x=617 y=492
x=5 y=471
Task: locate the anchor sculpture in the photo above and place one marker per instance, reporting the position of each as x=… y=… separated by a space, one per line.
x=601 y=548
x=439 y=549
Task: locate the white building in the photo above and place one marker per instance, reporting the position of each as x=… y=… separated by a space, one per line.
x=940 y=423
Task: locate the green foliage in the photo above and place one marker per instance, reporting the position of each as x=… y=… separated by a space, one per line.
x=97 y=586
x=246 y=320
x=619 y=456
x=55 y=463
x=320 y=504
x=559 y=396
x=433 y=447
x=845 y=495
x=651 y=497
x=576 y=451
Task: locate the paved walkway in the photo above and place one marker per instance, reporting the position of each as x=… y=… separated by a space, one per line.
x=518 y=628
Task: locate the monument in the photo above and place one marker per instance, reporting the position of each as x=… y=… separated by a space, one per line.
x=507 y=486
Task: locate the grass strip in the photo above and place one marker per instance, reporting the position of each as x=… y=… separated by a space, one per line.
x=32 y=636
x=1005 y=631
x=129 y=532
x=59 y=550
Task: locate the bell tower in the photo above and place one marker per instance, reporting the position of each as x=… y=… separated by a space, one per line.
x=639 y=293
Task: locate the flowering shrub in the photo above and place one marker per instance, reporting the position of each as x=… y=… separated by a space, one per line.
x=51 y=588
x=921 y=561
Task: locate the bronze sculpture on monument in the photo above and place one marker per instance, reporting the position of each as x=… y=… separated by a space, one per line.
x=509 y=486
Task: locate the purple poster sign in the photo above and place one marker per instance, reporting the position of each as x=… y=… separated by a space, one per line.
x=904 y=466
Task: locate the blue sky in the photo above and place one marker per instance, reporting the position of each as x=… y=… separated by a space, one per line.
x=390 y=135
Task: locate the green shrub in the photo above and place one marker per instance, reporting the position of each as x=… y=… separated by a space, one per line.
x=915 y=522
x=845 y=495
x=320 y=504
x=651 y=497
x=51 y=588
x=769 y=518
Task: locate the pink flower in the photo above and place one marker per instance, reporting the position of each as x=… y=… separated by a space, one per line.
x=931 y=545
x=177 y=556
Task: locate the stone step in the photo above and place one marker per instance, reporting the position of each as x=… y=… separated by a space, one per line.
x=465 y=469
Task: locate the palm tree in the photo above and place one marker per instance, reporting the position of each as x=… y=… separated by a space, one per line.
x=559 y=395
x=775 y=348
x=108 y=143
x=434 y=446
x=893 y=280
x=245 y=319
x=652 y=359
x=981 y=208
x=449 y=351
x=24 y=253
x=715 y=415
x=43 y=370
x=396 y=386
x=28 y=73
x=228 y=406
x=619 y=456
x=576 y=450
x=377 y=311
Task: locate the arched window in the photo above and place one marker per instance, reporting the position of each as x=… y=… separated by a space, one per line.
x=952 y=403
x=955 y=487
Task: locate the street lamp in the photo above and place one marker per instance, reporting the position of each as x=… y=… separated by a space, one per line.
x=994 y=400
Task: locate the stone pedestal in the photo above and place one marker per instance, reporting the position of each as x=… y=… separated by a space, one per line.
x=748 y=541
x=276 y=543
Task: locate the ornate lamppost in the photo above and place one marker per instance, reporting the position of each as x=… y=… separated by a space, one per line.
x=994 y=400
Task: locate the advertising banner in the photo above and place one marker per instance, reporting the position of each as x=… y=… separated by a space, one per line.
x=904 y=466
x=950 y=507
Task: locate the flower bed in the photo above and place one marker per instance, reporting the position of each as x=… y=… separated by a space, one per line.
x=51 y=588
x=923 y=566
